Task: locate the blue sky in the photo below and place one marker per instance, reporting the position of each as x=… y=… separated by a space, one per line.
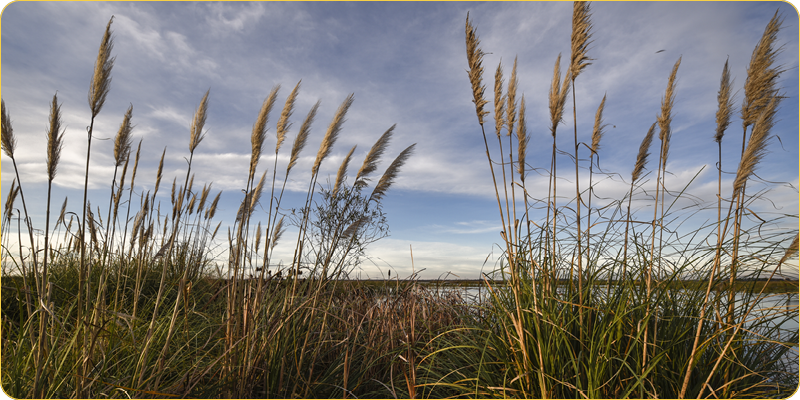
x=405 y=63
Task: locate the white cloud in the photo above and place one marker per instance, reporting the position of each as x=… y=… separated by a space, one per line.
x=229 y=18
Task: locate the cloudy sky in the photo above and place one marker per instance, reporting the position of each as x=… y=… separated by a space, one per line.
x=405 y=63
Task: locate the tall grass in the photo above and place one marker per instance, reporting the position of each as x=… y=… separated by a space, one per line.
x=138 y=305
x=616 y=316
x=131 y=306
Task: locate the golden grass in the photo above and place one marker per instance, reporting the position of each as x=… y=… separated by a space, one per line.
x=511 y=108
x=522 y=140
x=7 y=134
x=475 y=71
x=373 y=157
x=302 y=137
x=757 y=145
x=665 y=117
x=390 y=174
x=558 y=96
x=55 y=139
x=340 y=175
x=260 y=129
x=581 y=33
x=101 y=79
x=725 y=103
x=122 y=142
x=332 y=133
x=198 y=122
x=283 y=123
x=762 y=77
x=499 y=100
x=597 y=131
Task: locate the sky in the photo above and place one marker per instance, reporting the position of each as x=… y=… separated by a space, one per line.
x=406 y=64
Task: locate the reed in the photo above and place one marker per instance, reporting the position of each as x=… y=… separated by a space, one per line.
x=628 y=339
x=581 y=33
x=156 y=315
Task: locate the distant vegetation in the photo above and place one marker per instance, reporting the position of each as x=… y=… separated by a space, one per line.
x=131 y=304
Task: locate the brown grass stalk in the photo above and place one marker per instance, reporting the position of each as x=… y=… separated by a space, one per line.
x=55 y=142
x=581 y=32
x=332 y=133
x=390 y=174
x=340 y=175
x=373 y=157
x=597 y=135
x=475 y=71
x=98 y=91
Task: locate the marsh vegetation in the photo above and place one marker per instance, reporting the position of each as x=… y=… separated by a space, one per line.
x=589 y=301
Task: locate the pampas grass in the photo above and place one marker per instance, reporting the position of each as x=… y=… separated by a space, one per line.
x=374 y=155
x=628 y=339
x=332 y=133
x=101 y=78
x=179 y=324
x=475 y=71
x=391 y=174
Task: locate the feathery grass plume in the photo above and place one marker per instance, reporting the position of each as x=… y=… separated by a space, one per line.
x=644 y=152
x=597 y=132
x=203 y=197
x=260 y=129
x=250 y=200
x=55 y=142
x=63 y=213
x=196 y=134
x=511 y=108
x=283 y=122
x=791 y=250
x=192 y=203
x=177 y=206
x=373 y=157
x=101 y=79
x=302 y=137
x=725 y=103
x=522 y=139
x=342 y=172
x=558 y=96
x=55 y=139
x=160 y=170
x=581 y=27
x=91 y=221
x=258 y=236
x=388 y=176
x=353 y=228
x=136 y=162
x=277 y=231
x=665 y=117
x=333 y=132
x=9 y=142
x=762 y=77
x=12 y=195
x=757 y=145
x=499 y=100
x=475 y=72
x=118 y=195
x=137 y=223
x=213 y=208
x=172 y=193
x=257 y=194
x=122 y=143
x=146 y=205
